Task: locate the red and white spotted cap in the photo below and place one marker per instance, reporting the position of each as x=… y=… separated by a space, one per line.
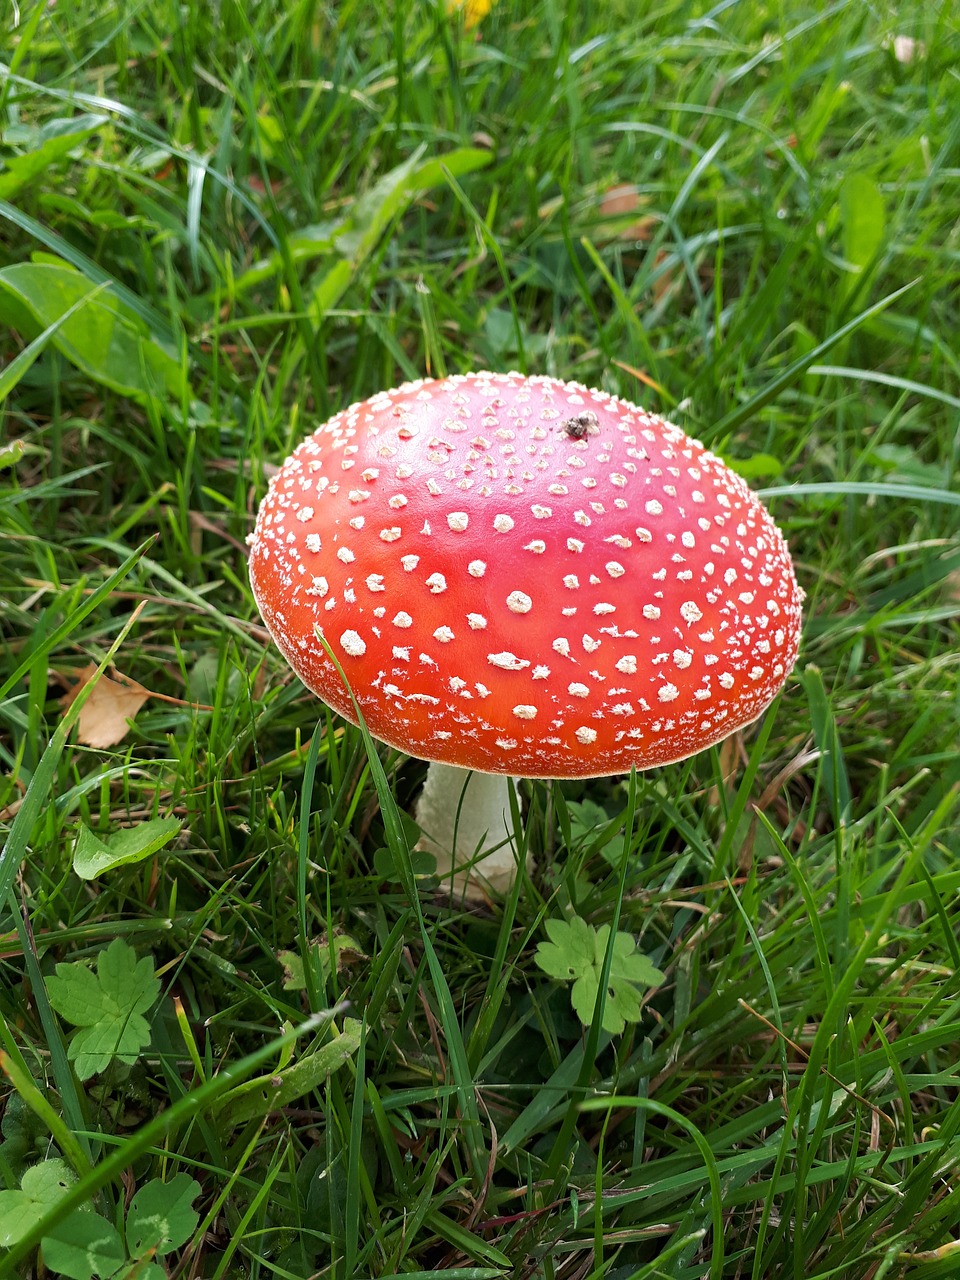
x=524 y=576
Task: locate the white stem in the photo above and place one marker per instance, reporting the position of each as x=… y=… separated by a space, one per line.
x=473 y=826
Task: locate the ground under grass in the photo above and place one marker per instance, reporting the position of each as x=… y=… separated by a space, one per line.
x=239 y=1025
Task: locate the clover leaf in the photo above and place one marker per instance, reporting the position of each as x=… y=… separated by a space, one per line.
x=83 y=1245
x=592 y=828
x=576 y=953
x=40 y=1188
x=107 y=1006
x=161 y=1215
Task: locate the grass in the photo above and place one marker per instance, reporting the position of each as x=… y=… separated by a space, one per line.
x=743 y=217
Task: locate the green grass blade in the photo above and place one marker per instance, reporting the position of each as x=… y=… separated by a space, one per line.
x=197 y=1101
x=752 y=406
x=863 y=489
x=14 y=371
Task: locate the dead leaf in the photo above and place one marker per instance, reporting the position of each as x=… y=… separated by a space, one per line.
x=619 y=203
x=729 y=751
x=200 y=522
x=105 y=718
x=665 y=280
x=641 y=376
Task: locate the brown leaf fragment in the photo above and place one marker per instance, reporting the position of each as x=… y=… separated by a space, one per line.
x=623 y=204
x=114 y=702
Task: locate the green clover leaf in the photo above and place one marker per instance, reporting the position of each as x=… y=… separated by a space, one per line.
x=576 y=952
x=82 y=1246
x=40 y=1188
x=592 y=828
x=162 y=1216
x=108 y=1007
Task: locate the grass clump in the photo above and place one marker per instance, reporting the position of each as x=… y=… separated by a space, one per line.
x=218 y=224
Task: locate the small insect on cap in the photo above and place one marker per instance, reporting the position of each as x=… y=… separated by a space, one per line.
x=521 y=575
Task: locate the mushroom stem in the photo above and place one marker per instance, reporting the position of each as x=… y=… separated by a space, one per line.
x=466 y=817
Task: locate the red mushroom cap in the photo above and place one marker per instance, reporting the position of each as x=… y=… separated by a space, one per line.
x=521 y=575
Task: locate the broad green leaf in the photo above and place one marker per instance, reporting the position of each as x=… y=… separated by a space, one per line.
x=140 y=1269
x=257 y=1098
x=345 y=948
x=108 y=1007
x=93 y=856
x=10 y=454
x=576 y=951
x=40 y=1189
x=83 y=1245
x=385 y=864
x=93 y=1048
x=24 y=1135
x=161 y=1215
x=901 y=461
x=57 y=1119
x=357 y=232
x=421 y=863
x=47 y=145
x=107 y=340
x=864 y=223
x=622 y=1005
x=309 y=242
x=591 y=826
x=376 y=209
x=571 y=951
x=757 y=467
x=587 y=819
x=12 y=373
x=75 y=993
x=155 y=1133
x=65 y=252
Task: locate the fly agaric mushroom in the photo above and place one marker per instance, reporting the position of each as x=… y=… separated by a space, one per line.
x=525 y=578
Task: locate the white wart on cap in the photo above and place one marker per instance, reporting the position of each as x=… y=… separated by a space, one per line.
x=523 y=576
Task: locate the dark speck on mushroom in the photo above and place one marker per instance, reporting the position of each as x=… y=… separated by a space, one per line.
x=581 y=425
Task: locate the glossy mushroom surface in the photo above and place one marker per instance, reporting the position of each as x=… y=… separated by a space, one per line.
x=524 y=576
